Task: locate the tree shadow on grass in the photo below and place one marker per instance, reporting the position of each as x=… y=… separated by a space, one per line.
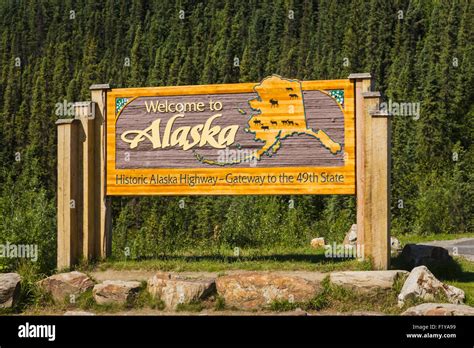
x=446 y=270
x=292 y=257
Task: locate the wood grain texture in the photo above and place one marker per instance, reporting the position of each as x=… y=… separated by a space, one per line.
x=373 y=172
x=297 y=154
x=360 y=162
x=69 y=189
x=103 y=222
x=322 y=112
x=380 y=193
x=88 y=183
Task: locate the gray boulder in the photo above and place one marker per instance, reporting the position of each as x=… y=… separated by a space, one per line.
x=422 y=284
x=78 y=313
x=115 y=291
x=254 y=290
x=61 y=286
x=174 y=290
x=419 y=254
x=440 y=309
x=9 y=289
x=367 y=281
x=351 y=236
x=395 y=245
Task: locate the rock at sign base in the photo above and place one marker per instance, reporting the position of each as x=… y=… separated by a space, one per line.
x=78 y=313
x=367 y=281
x=254 y=290
x=298 y=312
x=9 y=289
x=63 y=285
x=115 y=291
x=418 y=254
x=351 y=236
x=174 y=290
x=395 y=244
x=318 y=242
x=443 y=309
x=421 y=283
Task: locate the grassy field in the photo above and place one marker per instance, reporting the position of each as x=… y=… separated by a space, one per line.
x=413 y=238
x=463 y=279
x=284 y=259
x=459 y=272
x=277 y=258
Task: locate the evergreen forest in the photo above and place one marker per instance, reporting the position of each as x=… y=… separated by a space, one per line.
x=419 y=51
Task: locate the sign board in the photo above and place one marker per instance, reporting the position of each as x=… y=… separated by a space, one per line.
x=279 y=136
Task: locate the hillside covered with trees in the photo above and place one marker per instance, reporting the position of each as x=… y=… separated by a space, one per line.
x=419 y=52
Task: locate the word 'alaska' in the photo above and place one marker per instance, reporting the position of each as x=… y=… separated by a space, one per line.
x=201 y=134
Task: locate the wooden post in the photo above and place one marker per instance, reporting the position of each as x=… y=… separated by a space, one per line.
x=68 y=227
x=103 y=215
x=83 y=113
x=362 y=84
x=380 y=188
x=84 y=231
x=372 y=173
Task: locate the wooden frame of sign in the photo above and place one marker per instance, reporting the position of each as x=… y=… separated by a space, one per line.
x=279 y=136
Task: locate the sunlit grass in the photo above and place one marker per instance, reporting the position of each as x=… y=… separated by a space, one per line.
x=284 y=259
x=414 y=238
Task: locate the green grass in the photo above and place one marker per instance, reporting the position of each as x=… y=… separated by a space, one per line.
x=459 y=272
x=283 y=306
x=219 y=304
x=39 y=302
x=461 y=276
x=87 y=302
x=335 y=298
x=190 y=307
x=283 y=259
x=147 y=300
x=414 y=238
x=274 y=258
x=143 y=299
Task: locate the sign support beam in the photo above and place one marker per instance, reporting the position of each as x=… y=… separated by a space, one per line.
x=372 y=173
x=103 y=226
x=69 y=190
x=84 y=215
x=83 y=113
x=84 y=231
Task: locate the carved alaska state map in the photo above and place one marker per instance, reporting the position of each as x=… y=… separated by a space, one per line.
x=293 y=136
x=280 y=114
x=285 y=117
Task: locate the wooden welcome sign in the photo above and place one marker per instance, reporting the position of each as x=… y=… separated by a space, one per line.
x=279 y=136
